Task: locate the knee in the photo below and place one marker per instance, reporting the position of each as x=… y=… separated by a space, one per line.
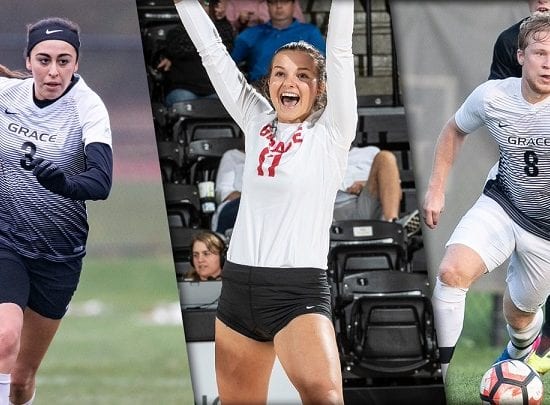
x=452 y=275
x=9 y=343
x=386 y=158
x=319 y=391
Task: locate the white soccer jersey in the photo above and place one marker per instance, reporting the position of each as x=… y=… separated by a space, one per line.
x=33 y=220
x=291 y=174
x=522 y=131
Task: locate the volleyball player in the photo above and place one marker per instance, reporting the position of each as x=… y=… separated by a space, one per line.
x=511 y=219
x=55 y=153
x=275 y=299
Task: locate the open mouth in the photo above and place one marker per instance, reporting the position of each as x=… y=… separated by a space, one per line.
x=289 y=99
x=542 y=9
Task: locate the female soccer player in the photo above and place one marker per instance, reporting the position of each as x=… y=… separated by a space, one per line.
x=275 y=299
x=55 y=153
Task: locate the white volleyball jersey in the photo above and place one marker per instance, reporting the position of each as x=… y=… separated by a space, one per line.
x=292 y=171
x=522 y=132
x=33 y=220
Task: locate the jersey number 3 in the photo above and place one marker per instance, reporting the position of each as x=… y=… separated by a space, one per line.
x=29 y=150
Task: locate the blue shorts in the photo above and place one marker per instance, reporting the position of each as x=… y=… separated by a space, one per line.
x=258 y=302
x=44 y=286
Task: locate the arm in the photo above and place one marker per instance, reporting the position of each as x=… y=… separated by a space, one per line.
x=226 y=176
x=92 y=184
x=341 y=107
x=237 y=96
x=447 y=148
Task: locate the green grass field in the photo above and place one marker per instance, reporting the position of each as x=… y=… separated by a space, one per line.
x=474 y=354
x=108 y=350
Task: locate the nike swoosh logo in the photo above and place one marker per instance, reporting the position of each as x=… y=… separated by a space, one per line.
x=9 y=112
x=503 y=125
x=48 y=32
x=310 y=306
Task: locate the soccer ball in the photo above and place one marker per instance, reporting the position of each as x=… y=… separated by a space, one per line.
x=511 y=382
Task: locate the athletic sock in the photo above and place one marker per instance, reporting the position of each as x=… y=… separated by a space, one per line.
x=5 y=380
x=521 y=341
x=448 y=306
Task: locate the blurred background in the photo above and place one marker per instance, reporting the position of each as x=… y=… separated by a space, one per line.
x=122 y=340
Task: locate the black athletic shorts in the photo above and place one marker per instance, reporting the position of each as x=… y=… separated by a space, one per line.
x=259 y=301
x=44 y=286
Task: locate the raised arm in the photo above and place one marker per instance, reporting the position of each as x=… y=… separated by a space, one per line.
x=448 y=146
x=228 y=81
x=341 y=93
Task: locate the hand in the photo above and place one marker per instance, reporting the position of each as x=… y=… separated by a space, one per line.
x=165 y=64
x=49 y=175
x=356 y=187
x=233 y=196
x=434 y=203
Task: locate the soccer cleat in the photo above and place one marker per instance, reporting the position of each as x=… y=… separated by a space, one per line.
x=539 y=362
x=411 y=223
x=506 y=356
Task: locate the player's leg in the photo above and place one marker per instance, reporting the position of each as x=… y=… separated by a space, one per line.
x=307 y=350
x=11 y=323
x=38 y=332
x=14 y=293
x=461 y=266
x=243 y=367
x=483 y=240
x=523 y=328
x=528 y=288
x=384 y=183
x=52 y=285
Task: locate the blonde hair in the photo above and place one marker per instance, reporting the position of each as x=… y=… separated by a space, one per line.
x=536 y=26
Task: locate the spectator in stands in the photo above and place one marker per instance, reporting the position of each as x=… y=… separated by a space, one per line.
x=248 y=13
x=185 y=77
x=229 y=180
x=256 y=46
x=207 y=251
x=371 y=188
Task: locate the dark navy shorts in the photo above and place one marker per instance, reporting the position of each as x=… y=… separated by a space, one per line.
x=44 y=286
x=260 y=301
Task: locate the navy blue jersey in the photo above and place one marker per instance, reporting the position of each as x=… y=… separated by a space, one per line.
x=33 y=220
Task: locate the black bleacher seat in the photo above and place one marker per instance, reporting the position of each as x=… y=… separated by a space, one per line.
x=382 y=312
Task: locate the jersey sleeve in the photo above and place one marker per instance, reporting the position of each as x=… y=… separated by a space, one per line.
x=238 y=97
x=471 y=114
x=341 y=109
x=94 y=118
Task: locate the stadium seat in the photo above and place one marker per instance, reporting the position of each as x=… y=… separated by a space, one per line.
x=382 y=314
x=202 y=119
x=357 y=245
x=388 y=323
x=171 y=160
x=182 y=205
